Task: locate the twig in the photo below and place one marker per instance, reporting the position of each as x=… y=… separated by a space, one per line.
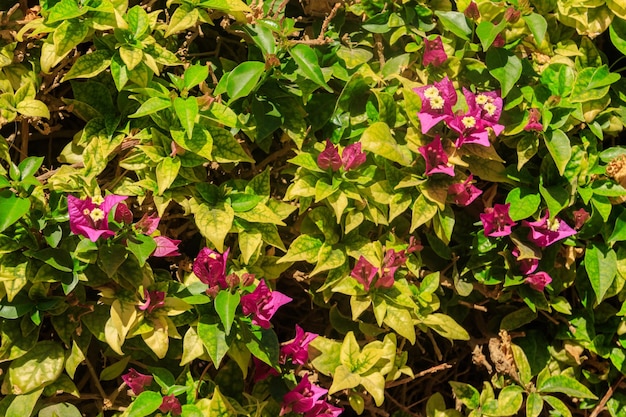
x=435 y=347
x=609 y=393
x=24 y=131
x=400 y=406
x=473 y=306
x=321 y=39
x=106 y=403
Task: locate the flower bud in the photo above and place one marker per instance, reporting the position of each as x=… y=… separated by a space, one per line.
x=511 y=15
x=471 y=12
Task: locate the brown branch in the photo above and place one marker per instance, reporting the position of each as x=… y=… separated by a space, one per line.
x=106 y=403
x=473 y=306
x=24 y=132
x=602 y=404
x=321 y=39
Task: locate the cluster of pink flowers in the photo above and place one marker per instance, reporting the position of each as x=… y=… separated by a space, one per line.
x=543 y=233
x=90 y=217
x=351 y=158
x=138 y=382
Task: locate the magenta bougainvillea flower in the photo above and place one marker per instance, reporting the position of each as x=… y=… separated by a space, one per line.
x=171 y=404
x=352 y=156
x=153 y=300
x=463 y=194
x=499 y=41
x=329 y=158
x=298 y=349
x=471 y=129
x=526 y=265
x=136 y=382
x=544 y=232
x=436 y=158
x=538 y=280
x=437 y=102
x=434 y=53
x=302 y=398
x=580 y=217
x=262 y=371
x=123 y=214
x=210 y=267
x=364 y=272
x=89 y=217
x=533 y=121
x=166 y=247
x=496 y=220
x=262 y=304
x=488 y=106
x=391 y=262
x=147 y=224
x=323 y=409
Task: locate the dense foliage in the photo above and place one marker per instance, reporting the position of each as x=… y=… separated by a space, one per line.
x=223 y=208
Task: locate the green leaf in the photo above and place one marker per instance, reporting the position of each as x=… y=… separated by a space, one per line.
x=619 y=230
x=487 y=32
x=214 y=222
x=56 y=258
x=423 y=210
x=150 y=106
x=131 y=56
x=559 y=406
x=33 y=108
x=138 y=21
x=201 y=142
x=505 y=67
x=556 y=197
x=400 y=320
x=456 y=23
x=509 y=401
x=534 y=405
x=242 y=80
x=186 y=110
x=377 y=139
x=518 y=318
x=192 y=347
x=141 y=246
x=617 y=31
x=466 y=393
x=68 y=35
x=264 y=346
x=566 y=385
x=445 y=326
x=559 y=78
x=328 y=258
x=523 y=366
x=560 y=148
x=353 y=57
x=601 y=267
x=146 y=403
x=343 y=378
x=592 y=84
x=59 y=410
x=524 y=203
x=113 y=371
x=537 y=25
x=184 y=17
x=65 y=10
x=39 y=367
x=23 y=405
x=194 y=75
x=303 y=248
x=89 y=65
x=226 y=304
x=214 y=340
x=166 y=172
x=12 y=208
x=226 y=148
x=306 y=59
x=110 y=258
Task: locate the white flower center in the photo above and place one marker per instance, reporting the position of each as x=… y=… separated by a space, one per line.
x=431 y=92
x=96 y=214
x=97 y=200
x=468 y=122
x=436 y=103
x=490 y=108
x=482 y=99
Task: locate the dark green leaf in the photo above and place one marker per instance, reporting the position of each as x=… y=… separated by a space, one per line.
x=226 y=304
x=146 y=403
x=214 y=340
x=306 y=59
x=244 y=79
x=456 y=23
x=601 y=267
x=566 y=385
x=505 y=67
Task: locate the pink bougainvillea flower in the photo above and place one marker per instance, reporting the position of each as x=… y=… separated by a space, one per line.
x=302 y=398
x=262 y=304
x=90 y=217
x=580 y=217
x=433 y=52
x=147 y=224
x=298 y=349
x=323 y=409
x=526 y=265
x=352 y=156
x=496 y=220
x=136 y=382
x=533 y=121
x=364 y=272
x=154 y=299
x=437 y=102
x=436 y=158
x=329 y=158
x=511 y=15
x=171 y=404
x=471 y=129
x=210 y=267
x=123 y=214
x=262 y=371
x=463 y=194
x=391 y=262
x=471 y=11
x=414 y=245
x=166 y=247
x=538 y=280
x=544 y=232
x=499 y=41
x=488 y=106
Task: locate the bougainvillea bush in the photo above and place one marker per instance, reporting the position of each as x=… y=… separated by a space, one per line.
x=248 y=208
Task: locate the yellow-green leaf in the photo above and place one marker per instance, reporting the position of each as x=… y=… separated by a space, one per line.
x=89 y=65
x=33 y=108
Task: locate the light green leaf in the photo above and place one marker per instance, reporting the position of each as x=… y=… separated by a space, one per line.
x=65 y=10
x=220 y=406
x=226 y=304
x=534 y=405
x=152 y=105
x=226 y=148
x=113 y=371
x=166 y=172
x=68 y=35
x=592 y=84
x=566 y=385
x=307 y=62
x=214 y=340
x=184 y=17
x=201 y=142
x=466 y=393
x=375 y=384
x=146 y=403
x=33 y=108
x=131 y=56
x=12 y=208
x=343 y=378
x=377 y=139
x=59 y=410
x=214 y=222
x=423 y=210
x=186 y=110
x=537 y=25
x=400 y=320
x=39 y=367
x=456 y=23
x=23 y=405
x=89 y=65
x=328 y=258
x=445 y=326
x=601 y=267
x=194 y=75
x=560 y=149
x=192 y=347
x=559 y=406
x=487 y=32
x=303 y=248
x=505 y=67
x=617 y=31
